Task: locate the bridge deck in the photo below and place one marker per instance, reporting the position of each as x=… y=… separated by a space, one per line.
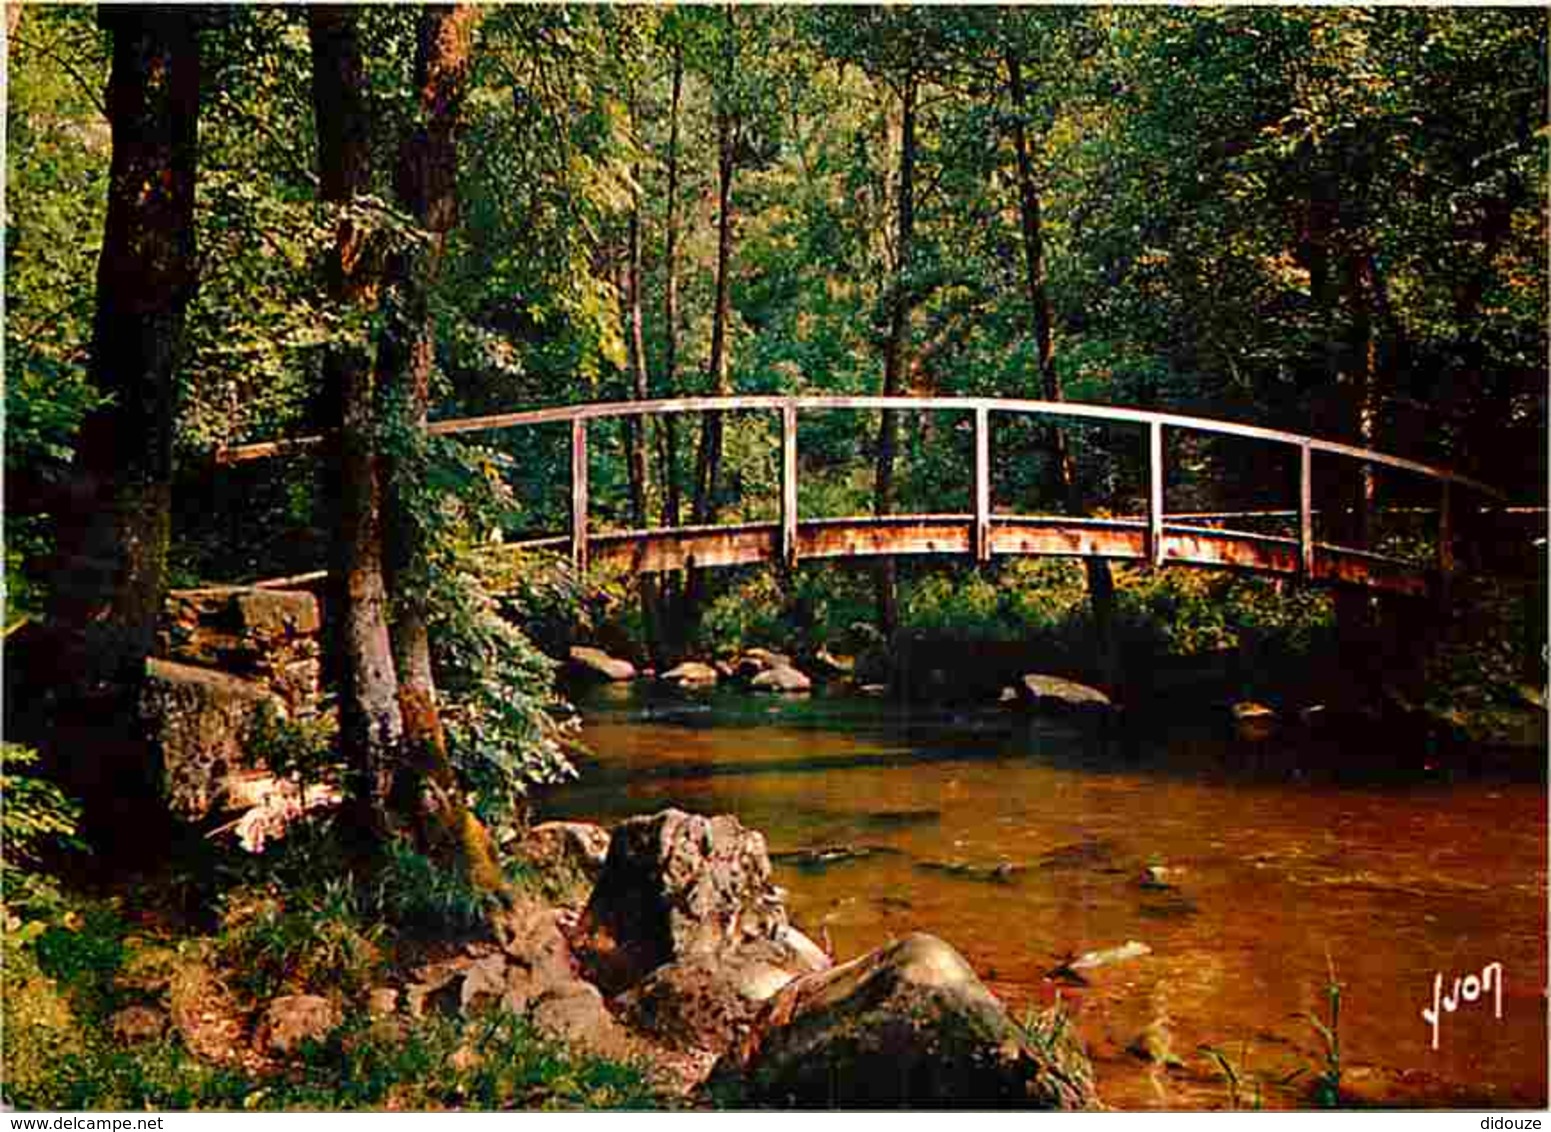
x=661 y=550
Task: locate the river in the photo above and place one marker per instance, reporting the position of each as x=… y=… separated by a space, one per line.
x=1024 y=841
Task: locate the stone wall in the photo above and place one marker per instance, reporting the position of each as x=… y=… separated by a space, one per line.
x=226 y=656
x=270 y=637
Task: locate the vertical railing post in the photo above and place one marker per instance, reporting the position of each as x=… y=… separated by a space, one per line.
x=981 y=536
x=1155 y=480
x=789 y=484
x=579 y=493
x=1305 y=510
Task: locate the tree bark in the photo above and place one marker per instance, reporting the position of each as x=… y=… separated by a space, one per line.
x=670 y=301
x=896 y=352
x=371 y=724
x=1101 y=585
x=708 y=466
x=112 y=530
x=709 y=458
x=426 y=187
x=639 y=463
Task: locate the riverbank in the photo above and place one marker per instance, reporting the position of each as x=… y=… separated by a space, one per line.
x=651 y=966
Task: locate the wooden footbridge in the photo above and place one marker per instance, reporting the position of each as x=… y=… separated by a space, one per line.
x=1155 y=537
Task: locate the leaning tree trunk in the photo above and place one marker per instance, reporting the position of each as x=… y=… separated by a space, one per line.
x=1101 y=584
x=426 y=187
x=371 y=725
x=112 y=535
x=896 y=355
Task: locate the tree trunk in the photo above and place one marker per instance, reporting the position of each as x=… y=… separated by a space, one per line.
x=1101 y=584
x=670 y=483
x=112 y=536
x=708 y=466
x=896 y=353
x=709 y=459
x=371 y=725
x=639 y=464
x=426 y=187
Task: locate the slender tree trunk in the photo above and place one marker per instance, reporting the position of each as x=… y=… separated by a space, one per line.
x=640 y=467
x=896 y=359
x=635 y=344
x=709 y=459
x=371 y=724
x=667 y=436
x=1101 y=585
x=112 y=535
x=1364 y=376
x=708 y=466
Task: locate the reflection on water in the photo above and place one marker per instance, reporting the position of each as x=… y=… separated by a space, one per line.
x=1249 y=870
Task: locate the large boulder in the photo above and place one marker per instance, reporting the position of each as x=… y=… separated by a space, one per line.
x=709 y=1002
x=674 y=886
x=596 y=664
x=201 y=720
x=908 y=1025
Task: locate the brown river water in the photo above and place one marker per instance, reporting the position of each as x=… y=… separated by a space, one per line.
x=1025 y=841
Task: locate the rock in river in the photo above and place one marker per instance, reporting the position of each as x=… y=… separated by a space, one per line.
x=691 y=674
x=781 y=678
x=1052 y=692
x=710 y=1002
x=676 y=885
x=906 y=1025
x=599 y=665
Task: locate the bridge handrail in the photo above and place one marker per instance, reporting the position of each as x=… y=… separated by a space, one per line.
x=982 y=520
x=602 y=410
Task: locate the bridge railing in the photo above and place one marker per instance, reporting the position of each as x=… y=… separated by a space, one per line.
x=1153 y=525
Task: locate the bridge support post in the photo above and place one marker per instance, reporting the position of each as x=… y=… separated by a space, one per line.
x=789 y=485
x=1155 y=480
x=980 y=538
x=1306 y=511
x=579 y=494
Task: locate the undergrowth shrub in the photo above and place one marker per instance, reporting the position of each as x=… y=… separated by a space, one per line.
x=310 y=940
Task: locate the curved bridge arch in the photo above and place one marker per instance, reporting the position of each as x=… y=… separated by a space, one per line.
x=1156 y=537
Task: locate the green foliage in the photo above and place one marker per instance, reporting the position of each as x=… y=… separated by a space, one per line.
x=1327 y=1083
x=752 y=612
x=57 y=1059
x=82 y=950
x=420 y=898
x=501 y=713
x=1488 y=668
x=299 y=940
x=1053 y=1037
x=303 y=747
x=38 y=1030
x=36 y=818
x=504 y=1064
x=1191 y=612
